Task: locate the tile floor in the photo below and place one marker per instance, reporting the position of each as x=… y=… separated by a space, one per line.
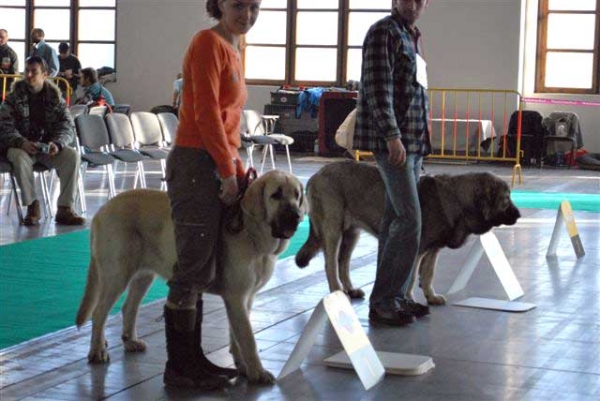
x=551 y=352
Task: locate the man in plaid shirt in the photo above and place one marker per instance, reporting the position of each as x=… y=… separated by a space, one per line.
x=392 y=123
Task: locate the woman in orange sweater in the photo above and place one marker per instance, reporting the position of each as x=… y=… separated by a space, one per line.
x=202 y=171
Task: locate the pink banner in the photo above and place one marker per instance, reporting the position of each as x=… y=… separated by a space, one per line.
x=556 y=101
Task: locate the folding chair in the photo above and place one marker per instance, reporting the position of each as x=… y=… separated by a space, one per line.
x=94 y=146
x=122 y=109
x=260 y=133
x=168 y=124
x=100 y=110
x=7 y=168
x=149 y=139
x=77 y=110
x=122 y=144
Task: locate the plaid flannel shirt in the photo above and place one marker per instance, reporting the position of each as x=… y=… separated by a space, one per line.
x=391 y=102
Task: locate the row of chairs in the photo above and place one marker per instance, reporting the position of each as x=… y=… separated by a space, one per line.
x=130 y=140
x=102 y=141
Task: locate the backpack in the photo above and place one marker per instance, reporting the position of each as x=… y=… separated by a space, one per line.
x=532 y=137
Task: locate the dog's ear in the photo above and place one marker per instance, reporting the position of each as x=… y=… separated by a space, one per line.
x=489 y=197
x=253 y=201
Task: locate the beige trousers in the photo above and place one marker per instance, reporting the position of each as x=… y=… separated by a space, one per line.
x=66 y=163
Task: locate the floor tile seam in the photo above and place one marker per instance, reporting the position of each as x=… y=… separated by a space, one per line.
x=23 y=382
x=540 y=368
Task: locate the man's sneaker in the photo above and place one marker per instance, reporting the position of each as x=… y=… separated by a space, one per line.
x=66 y=216
x=392 y=318
x=33 y=214
x=414 y=308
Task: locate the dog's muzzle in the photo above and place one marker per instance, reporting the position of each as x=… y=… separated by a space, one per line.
x=285 y=226
x=509 y=217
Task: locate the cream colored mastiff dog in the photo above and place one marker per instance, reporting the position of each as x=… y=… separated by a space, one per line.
x=132 y=241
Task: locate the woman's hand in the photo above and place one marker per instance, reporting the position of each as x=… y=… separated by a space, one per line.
x=229 y=190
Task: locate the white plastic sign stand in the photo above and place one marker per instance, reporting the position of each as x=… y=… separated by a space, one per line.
x=359 y=353
x=488 y=243
x=565 y=214
x=351 y=334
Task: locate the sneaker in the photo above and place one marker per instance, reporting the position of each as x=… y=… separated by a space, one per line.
x=391 y=318
x=414 y=308
x=33 y=214
x=66 y=216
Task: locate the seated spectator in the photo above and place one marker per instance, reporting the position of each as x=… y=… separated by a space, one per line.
x=36 y=126
x=69 y=67
x=94 y=92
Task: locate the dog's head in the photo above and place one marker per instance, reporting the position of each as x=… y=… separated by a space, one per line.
x=494 y=201
x=277 y=199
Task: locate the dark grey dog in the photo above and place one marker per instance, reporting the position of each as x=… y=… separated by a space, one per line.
x=346 y=197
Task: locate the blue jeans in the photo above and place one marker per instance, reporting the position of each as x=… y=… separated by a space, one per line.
x=399 y=231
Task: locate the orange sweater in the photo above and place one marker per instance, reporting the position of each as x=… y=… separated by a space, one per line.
x=213 y=95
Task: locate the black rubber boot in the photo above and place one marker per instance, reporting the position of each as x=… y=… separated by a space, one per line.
x=183 y=369
x=203 y=361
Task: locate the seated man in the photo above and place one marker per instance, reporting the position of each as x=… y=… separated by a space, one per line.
x=93 y=89
x=35 y=126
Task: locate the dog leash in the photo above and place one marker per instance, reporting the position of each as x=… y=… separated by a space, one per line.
x=245 y=182
x=232 y=218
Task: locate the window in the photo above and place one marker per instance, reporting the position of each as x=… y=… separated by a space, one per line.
x=568 y=46
x=89 y=26
x=310 y=42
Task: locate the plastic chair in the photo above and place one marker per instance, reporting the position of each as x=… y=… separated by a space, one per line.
x=122 y=109
x=93 y=137
x=168 y=124
x=77 y=110
x=99 y=110
x=149 y=139
x=122 y=144
x=7 y=168
x=259 y=132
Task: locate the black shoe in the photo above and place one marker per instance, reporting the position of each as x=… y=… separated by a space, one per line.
x=391 y=318
x=202 y=360
x=414 y=308
x=182 y=369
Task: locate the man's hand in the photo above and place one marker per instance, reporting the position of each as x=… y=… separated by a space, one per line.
x=397 y=153
x=29 y=147
x=53 y=149
x=229 y=190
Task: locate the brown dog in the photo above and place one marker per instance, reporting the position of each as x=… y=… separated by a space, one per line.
x=346 y=197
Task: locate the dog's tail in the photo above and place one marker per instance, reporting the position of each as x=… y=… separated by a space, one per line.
x=309 y=250
x=90 y=296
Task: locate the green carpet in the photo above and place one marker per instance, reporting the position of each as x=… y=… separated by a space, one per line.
x=551 y=200
x=30 y=308
x=42 y=280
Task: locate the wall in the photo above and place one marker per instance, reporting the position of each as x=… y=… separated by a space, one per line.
x=468 y=44
x=152 y=37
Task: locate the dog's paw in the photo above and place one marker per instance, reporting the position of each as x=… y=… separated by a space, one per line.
x=436 y=299
x=355 y=293
x=261 y=376
x=98 y=356
x=134 y=346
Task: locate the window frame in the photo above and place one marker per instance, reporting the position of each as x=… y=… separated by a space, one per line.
x=542 y=50
x=73 y=39
x=290 y=46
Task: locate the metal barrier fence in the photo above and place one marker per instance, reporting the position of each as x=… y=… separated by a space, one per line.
x=464 y=125
x=472 y=125
x=5 y=89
